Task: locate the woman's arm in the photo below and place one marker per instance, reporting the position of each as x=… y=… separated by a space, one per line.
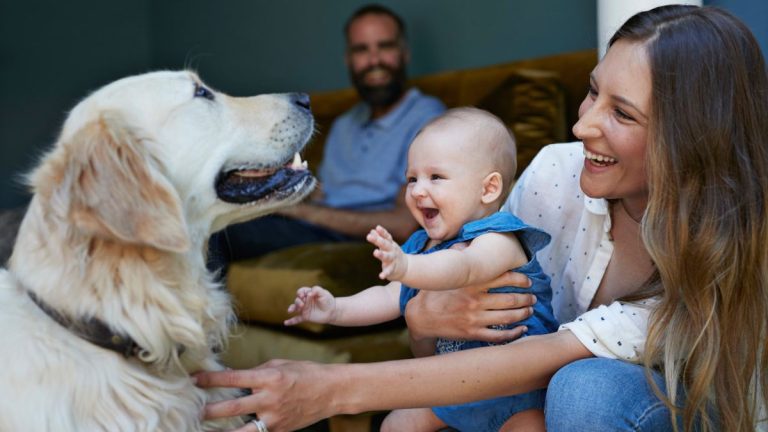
x=289 y=395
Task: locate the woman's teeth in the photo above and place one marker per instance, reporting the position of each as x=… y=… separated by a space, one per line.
x=599 y=159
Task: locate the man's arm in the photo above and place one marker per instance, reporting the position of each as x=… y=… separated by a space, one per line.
x=354 y=223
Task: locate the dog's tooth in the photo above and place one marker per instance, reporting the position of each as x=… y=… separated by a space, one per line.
x=297 y=162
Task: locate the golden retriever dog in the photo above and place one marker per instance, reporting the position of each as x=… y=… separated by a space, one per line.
x=106 y=307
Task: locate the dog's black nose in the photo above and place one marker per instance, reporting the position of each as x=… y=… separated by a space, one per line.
x=301 y=99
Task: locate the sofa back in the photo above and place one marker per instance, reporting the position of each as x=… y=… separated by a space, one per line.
x=537 y=99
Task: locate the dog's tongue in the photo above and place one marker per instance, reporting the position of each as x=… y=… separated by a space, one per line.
x=254 y=173
x=249 y=185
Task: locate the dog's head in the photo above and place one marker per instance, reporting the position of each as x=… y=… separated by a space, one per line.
x=161 y=159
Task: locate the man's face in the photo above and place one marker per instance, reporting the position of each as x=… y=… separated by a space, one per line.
x=376 y=58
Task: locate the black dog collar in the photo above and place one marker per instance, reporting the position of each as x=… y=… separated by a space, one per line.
x=93 y=330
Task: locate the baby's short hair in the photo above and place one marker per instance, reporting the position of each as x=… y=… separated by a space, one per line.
x=493 y=139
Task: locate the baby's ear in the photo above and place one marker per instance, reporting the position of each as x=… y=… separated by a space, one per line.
x=493 y=185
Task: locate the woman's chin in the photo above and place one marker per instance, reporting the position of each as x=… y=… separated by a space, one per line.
x=592 y=187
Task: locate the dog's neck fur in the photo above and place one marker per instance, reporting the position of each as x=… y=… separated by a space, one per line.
x=133 y=288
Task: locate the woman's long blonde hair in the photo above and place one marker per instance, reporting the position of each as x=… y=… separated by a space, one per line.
x=706 y=224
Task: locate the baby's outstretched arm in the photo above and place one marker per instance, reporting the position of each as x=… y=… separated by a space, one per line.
x=313 y=304
x=373 y=305
x=484 y=258
x=394 y=262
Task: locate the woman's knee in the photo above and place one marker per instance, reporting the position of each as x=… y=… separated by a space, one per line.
x=603 y=394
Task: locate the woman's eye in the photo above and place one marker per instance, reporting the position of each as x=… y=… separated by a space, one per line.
x=591 y=91
x=622 y=115
x=203 y=92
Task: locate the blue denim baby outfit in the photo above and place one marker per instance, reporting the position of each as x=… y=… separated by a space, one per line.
x=490 y=415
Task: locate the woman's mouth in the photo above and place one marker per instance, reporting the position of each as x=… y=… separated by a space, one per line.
x=598 y=159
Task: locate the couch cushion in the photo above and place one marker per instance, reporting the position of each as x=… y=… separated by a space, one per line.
x=250 y=345
x=264 y=287
x=532 y=105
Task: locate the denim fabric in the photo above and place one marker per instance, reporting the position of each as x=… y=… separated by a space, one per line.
x=364 y=160
x=259 y=236
x=601 y=394
x=489 y=415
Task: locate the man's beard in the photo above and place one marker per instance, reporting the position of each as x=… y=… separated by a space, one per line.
x=382 y=95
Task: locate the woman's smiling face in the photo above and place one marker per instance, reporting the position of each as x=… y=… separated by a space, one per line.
x=613 y=125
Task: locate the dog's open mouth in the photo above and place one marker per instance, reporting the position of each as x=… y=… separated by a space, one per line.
x=249 y=185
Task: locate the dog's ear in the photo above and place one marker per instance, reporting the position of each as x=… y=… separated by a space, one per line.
x=115 y=189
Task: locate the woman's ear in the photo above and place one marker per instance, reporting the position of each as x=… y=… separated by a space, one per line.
x=493 y=186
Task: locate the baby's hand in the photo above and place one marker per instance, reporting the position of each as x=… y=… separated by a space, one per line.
x=314 y=304
x=394 y=262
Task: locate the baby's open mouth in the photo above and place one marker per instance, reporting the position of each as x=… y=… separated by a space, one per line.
x=429 y=213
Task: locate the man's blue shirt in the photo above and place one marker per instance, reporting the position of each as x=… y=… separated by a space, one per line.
x=364 y=160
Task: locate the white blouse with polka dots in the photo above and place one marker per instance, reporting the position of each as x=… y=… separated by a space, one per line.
x=548 y=196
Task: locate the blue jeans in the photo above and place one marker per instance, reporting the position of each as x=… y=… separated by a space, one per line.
x=605 y=395
x=262 y=235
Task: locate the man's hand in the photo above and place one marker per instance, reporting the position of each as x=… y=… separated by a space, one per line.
x=356 y=223
x=295 y=211
x=466 y=314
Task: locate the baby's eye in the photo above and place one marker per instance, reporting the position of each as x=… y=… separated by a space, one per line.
x=411 y=180
x=436 y=177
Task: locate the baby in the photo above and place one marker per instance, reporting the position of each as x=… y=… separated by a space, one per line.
x=460 y=170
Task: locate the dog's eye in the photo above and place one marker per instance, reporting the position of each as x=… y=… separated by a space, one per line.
x=203 y=92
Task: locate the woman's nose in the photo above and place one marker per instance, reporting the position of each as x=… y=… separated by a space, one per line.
x=588 y=125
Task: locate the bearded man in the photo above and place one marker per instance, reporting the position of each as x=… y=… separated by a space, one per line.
x=362 y=174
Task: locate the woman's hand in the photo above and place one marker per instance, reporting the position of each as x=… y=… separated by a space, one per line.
x=466 y=313
x=286 y=395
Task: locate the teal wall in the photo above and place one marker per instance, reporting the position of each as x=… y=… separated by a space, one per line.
x=255 y=46
x=53 y=53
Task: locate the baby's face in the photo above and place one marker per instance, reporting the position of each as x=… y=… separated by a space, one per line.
x=445 y=180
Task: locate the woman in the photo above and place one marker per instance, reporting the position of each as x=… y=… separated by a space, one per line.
x=662 y=262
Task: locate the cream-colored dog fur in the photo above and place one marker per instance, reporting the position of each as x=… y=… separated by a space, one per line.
x=117 y=229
